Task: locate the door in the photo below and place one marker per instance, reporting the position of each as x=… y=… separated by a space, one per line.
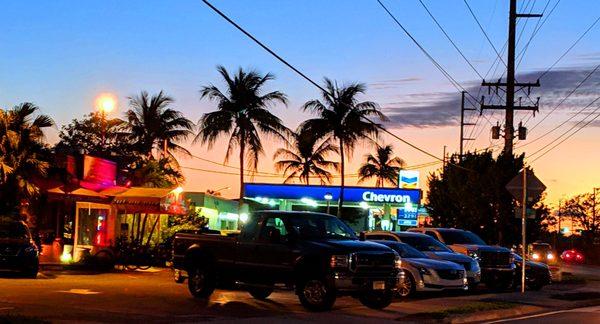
x=274 y=250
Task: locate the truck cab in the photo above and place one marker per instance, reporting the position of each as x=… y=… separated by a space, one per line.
x=315 y=254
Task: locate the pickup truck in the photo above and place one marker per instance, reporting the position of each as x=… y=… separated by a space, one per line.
x=497 y=263
x=315 y=254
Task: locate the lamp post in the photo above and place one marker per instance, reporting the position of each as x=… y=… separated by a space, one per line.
x=328 y=196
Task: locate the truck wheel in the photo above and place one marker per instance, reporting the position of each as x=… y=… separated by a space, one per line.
x=377 y=299
x=201 y=282
x=316 y=295
x=260 y=293
x=407 y=286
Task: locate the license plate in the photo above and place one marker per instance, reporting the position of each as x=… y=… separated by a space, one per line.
x=378 y=285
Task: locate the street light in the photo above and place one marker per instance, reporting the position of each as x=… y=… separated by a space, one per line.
x=328 y=196
x=105 y=103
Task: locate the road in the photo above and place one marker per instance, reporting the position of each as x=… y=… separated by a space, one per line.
x=153 y=297
x=588 y=315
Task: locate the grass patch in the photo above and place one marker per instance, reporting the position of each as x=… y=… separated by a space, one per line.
x=20 y=319
x=575 y=296
x=465 y=309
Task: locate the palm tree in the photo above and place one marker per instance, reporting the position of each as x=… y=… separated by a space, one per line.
x=153 y=124
x=305 y=158
x=243 y=115
x=383 y=167
x=344 y=118
x=23 y=152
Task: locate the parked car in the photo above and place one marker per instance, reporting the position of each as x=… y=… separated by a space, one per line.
x=316 y=254
x=496 y=263
x=18 y=251
x=433 y=249
x=542 y=252
x=572 y=256
x=537 y=274
x=422 y=273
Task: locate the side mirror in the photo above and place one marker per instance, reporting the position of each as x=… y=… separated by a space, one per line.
x=274 y=235
x=362 y=236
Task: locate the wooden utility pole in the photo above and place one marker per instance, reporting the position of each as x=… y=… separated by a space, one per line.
x=511 y=84
x=463 y=124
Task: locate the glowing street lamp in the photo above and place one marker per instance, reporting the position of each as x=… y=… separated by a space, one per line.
x=328 y=196
x=105 y=103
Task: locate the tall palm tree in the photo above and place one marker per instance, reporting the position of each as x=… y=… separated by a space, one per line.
x=23 y=153
x=343 y=117
x=243 y=115
x=383 y=167
x=152 y=124
x=305 y=158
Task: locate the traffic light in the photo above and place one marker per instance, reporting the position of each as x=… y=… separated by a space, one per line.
x=496 y=132
x=522 y=132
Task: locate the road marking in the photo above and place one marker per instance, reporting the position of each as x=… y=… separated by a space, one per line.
x=592 y=309
x=79 y=292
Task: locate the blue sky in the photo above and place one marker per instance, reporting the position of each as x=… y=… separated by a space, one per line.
x=62 y=54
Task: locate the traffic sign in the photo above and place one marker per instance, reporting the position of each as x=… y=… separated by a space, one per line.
x=535 y=187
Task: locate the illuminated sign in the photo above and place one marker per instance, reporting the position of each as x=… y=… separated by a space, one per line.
x=409 y=179
x=269 y=191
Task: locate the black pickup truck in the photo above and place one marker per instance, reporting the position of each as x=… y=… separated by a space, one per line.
x=316 y=254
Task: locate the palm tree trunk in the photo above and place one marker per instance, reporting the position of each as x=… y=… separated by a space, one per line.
x=242 y=149
x=342 y=166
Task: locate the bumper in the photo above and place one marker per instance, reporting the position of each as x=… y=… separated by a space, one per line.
x=18 y=263
x=492 y=274
x=434 y=283
x=345 y=282
x=474 y=277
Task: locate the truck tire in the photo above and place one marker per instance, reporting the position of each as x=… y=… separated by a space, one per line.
x=377 y=299
x=260 y=293
x=315 y=294
x=201 y=281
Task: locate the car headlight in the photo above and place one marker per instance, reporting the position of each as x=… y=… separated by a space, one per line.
x=398 y=262
x=535 y=256
x=424 y=271
x=339 y=261
x=473 y=254
x=550 y=256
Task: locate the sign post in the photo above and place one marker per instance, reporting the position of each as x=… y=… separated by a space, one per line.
x=525 y=187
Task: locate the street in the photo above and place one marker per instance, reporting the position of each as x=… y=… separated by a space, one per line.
x=580 y=315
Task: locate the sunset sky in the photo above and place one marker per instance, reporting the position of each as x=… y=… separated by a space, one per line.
x=62 y=54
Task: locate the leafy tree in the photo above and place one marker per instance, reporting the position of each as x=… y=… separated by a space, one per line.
x=85 y=136
x=581 y=209
x=23 y=154
x=341 y=116
x=383 y=167
x=154 y=173
x=473 y=196
x=305 y=158
x=242 y=115
x=151 y=123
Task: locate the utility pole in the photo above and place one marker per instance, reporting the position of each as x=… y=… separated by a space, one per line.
x=463 y=124
x=594 y=224
x=523 y=228
x=510 y=84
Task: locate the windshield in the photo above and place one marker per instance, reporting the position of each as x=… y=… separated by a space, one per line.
x=406 y=251
x=424 y=243
x=13 y=231
x=461 y=237
x=320 y=227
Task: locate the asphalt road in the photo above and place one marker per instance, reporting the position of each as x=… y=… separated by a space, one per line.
x=588 y=315
x=155 y=297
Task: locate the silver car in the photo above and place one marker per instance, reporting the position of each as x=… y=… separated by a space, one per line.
x=433 y=249
x=424 y=274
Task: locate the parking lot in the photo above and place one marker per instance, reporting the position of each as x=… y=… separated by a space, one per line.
x=152 y=296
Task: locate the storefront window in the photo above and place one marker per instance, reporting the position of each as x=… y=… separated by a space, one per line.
x=92 y=226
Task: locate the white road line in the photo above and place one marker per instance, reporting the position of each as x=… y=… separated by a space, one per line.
x=592 y=309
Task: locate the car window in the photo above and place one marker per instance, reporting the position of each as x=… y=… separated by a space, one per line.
x=424 y=243
x=319 y=227
x=461 y=237
x=273 y=223
x=432 y=234
x=14 y=231
x=406 y=251
x=379 y=237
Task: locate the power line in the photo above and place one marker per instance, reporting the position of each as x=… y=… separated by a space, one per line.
x=570 y=129
x=450 y=39
x=540 y=23
x=571 y=135
x=484 y=32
